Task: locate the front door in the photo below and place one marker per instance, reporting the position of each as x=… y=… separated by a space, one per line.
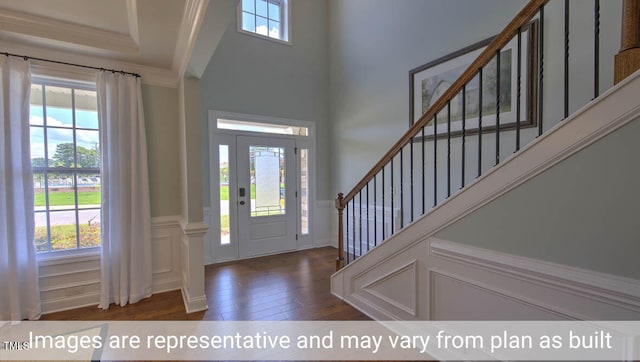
x=265 y=195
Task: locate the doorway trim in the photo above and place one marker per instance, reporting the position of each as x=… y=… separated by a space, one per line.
x=214 y=251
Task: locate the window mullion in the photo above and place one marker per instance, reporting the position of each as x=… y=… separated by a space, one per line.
x=282 y=16
x=75 y=164
x=255 y=16
x=46 y=166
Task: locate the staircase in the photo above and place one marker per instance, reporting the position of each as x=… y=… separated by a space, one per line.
x=423 y=234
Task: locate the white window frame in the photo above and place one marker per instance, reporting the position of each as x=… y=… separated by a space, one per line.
x=62 y=77
x=285 y=23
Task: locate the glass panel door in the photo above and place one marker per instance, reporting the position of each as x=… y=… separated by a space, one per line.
x=268 y=186
x=265 y=193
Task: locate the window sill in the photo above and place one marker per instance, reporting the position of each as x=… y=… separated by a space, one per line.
x=68 y=257
x=264 y=37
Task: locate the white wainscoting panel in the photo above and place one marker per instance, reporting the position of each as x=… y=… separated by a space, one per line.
x=397 y=288
x=69 y=283
x=166 y=236
x=441 y=280
x=74 y=282
x=451 y=296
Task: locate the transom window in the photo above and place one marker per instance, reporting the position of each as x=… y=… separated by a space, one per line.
x=268 y=18
x=65 y=157
x=262 y=127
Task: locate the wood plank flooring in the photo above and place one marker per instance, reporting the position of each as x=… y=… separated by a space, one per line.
x=292 y=286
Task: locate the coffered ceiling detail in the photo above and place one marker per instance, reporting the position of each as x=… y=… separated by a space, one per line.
x=151 y=37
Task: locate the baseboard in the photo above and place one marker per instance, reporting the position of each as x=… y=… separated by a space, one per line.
x=306 y=246
x=62 y=304
x=166 y=285
x=325 y=242
x=193 y=305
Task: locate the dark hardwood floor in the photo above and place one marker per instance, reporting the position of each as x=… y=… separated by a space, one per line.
x=292 y=286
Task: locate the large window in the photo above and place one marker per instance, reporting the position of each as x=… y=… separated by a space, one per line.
x=65 y=155
x=268 y=18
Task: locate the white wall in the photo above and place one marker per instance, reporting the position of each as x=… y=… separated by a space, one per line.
x=249 y=75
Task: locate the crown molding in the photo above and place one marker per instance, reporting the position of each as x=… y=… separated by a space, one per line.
x=150 y=75
x=192 y=18
x=47 y=28
x=132 y=17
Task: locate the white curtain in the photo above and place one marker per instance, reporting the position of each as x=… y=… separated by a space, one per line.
x=20 y=296
x=126 y=217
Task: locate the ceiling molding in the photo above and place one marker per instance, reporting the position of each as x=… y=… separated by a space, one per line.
x=48 y=28
x=217 y=18
x=192 y=18
x=150 y=75
x=132 y=17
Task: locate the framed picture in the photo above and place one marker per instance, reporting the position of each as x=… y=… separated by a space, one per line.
x=428 y=82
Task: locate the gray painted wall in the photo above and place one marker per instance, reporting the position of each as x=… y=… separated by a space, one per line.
x=577 y=214
x=374 y=43
x=255 y=76
x=161 y=118
x=583 y=212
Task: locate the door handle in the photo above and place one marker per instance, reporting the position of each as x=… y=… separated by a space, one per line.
x=241 y=202
x=241 y=192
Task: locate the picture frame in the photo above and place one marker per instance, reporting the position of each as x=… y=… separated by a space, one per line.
x=427 y=83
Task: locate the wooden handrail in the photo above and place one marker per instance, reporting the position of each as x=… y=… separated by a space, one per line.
x=499 y=42
x=630 y=37
x=627 y=61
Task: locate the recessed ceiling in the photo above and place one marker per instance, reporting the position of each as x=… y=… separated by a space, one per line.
x=151 y=37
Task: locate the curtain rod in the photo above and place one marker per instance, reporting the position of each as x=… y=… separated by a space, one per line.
x=25 y=57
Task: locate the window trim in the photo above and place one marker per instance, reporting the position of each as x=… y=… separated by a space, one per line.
x=285 y=23
x=49 y=77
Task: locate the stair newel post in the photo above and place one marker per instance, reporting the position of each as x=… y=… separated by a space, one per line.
x=340 y=207
x=627 y=60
